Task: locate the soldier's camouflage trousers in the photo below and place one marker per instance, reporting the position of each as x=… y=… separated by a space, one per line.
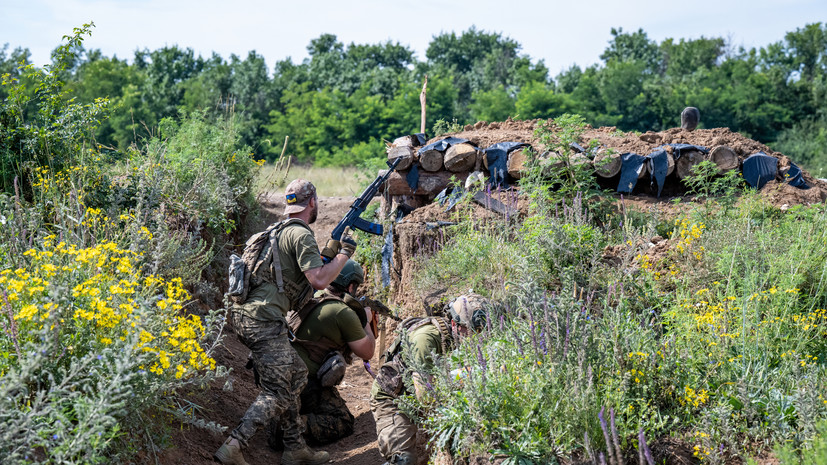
x=395 y=432
x=283 y=375
x=326 y=415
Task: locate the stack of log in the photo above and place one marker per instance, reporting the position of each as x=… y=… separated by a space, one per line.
x=436 y=168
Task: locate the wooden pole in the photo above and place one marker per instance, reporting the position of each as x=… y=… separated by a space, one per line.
x=422 y=102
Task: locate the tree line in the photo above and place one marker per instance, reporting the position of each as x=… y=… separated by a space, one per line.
x=340 y=103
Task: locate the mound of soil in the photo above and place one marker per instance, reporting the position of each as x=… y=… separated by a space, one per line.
x=484 y=134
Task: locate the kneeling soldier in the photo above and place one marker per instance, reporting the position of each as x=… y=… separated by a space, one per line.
x=424 y=336
x=329 y=331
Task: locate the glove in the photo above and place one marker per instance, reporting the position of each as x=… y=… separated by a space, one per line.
x=348 y=246
x=331 y=249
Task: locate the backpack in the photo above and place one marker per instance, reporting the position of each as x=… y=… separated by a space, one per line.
x=244 y=270
x=393 y=368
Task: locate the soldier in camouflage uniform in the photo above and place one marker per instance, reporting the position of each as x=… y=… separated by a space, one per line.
x=294 y=269
x=396 y=433
x=329 y=331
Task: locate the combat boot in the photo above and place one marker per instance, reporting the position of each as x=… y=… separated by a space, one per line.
x=304 y=456
x=229 y=454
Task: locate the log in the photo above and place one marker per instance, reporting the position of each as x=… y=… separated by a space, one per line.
x=724 y=158
x=409 y=140
x=684 y=164
x=607 y=164
x=460 y=157
x=431 y=160
x=670 y=166
x=429 y=183
x=406 y=152
x=516 y=163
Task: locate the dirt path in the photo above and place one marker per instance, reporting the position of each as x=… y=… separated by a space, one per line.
x=192 y=445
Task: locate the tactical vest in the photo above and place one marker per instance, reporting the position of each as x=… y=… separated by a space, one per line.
x=249 y=271
x=318 y=350
x=393 y=366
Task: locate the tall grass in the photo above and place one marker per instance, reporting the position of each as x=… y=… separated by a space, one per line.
x=718 y=340
x=329 y=181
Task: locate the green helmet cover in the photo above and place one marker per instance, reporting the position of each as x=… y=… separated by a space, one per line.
x=350 y=273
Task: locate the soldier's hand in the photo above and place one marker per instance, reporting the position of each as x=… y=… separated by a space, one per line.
x=331 y=249
x=348 y=246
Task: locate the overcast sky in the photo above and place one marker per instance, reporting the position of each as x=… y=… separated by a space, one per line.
x=560 y=32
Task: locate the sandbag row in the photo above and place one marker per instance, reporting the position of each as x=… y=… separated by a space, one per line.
x=425 y=170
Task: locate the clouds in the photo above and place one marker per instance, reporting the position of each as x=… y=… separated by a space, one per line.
x=561 y=33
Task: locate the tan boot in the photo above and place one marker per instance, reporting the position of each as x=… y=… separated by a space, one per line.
x=229 y=454
x=305 y=456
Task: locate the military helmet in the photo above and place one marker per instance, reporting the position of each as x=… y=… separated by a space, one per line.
x=469 y=310
x=351 y=272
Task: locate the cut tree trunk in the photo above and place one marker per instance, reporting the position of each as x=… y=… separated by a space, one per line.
x=429 y=183
x=405 y=152
x=687 y=161
x=724 y=158
x=607 y=165
x=431 y=160
x=516 y=163
x=409 y=140
x=670 y=163
x=460 y=157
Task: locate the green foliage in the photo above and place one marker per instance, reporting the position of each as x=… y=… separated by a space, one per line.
x=558 y=174
x=345 y=97
x=38 y=125
x=708 y=341
x=816 y=454
x=806 y=143
x=442 y=127
x=101 y=253
x=710 y=185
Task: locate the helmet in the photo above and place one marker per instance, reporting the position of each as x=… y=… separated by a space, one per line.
x=350 y=273
x=469 y=310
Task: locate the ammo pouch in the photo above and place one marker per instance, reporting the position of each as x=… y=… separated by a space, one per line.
x=237 y=266
x=332 y=371
x=389 y=377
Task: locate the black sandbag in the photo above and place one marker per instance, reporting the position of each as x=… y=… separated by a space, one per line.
x=759 y=169
x=497 y=158
x=421 y=138
x=450 y=196
x=413 y=177
x=631 y=164
x=680 y=148
x=795 y=177
x=658 y=166
x=442 y=145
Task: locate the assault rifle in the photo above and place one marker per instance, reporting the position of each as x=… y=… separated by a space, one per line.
x=352 y=217
x=378 y=308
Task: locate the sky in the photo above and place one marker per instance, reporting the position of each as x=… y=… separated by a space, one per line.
x=562 y=33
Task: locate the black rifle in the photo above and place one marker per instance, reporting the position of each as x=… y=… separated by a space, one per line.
x=352 y=217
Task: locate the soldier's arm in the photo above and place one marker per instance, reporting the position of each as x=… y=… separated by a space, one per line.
x=363 y=348
x=322 y=276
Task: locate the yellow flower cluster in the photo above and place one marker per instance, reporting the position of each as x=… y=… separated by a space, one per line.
x=110 y=300
x=693 y=397
x=62 y=181
x=689 y=233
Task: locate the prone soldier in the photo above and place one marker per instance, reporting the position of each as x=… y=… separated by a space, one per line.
x=425 y=336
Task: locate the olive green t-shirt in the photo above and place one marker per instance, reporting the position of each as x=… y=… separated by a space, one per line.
x=333 y=320
x=298 y=252
x=424 y=342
